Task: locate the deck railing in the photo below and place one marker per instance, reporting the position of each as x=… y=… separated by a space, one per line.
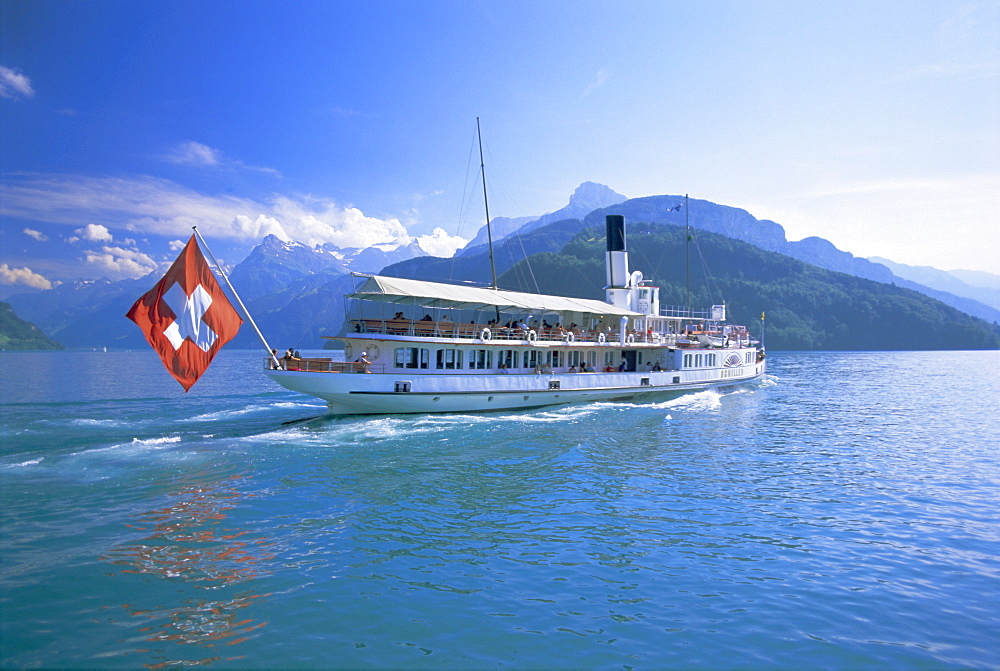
x=324 y=366
x=429 y=329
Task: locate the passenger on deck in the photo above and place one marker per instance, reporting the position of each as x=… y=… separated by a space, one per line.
x=503 y=369
x=426 y=318
x=572 y=369
x=623 y=366
x=363 y=360
x=399 y=315
x=656 y=366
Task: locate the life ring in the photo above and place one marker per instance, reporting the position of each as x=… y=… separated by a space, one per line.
x=373 y=351
x=348 y=351
x=568 y=336
x=532 y=336
x=630 y=339
x=486 y=335
x=601 y=338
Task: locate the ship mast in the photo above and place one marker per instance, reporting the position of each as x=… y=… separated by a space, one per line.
x=687 y=252
x=489 y=229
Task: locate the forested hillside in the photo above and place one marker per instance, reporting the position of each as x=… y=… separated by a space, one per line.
x=15 y=333
x=807 y=308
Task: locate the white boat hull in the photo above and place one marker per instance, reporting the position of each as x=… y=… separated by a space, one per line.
x=400 y=392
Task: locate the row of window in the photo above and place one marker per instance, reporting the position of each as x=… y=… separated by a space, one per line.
x=700 y=360
x=712 y=360
x=482 y=359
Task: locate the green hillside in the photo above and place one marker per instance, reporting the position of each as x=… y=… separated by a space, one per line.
x=807 y=308
x=18 y=334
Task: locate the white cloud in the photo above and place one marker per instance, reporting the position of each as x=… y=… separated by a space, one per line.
x=14 y=84
x=37 y=235
x=94 y=233
x=152 y=206
x=176 y=245
x=439 y=243
x=119 y=263
x=24 y=276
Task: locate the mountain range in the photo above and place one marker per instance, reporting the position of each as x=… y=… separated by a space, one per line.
x=295 y=292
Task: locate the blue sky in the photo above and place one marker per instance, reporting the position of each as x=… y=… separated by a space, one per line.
x=875 y=124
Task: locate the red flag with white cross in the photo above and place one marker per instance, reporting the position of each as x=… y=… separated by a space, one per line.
x=186 y=317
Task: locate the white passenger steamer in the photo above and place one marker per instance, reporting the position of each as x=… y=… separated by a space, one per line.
x=416 y=347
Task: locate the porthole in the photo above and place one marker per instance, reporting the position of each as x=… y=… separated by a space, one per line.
x=436 y=398
x=490 y=399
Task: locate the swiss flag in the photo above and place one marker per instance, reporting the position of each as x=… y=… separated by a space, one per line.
x=185 y=316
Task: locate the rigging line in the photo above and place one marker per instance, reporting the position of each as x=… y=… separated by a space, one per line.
x=464 y=205
x=713 y=289
x=499 y=189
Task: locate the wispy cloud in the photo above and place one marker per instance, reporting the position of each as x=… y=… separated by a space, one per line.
x=599 y=80
x=37 y=235
x=200 y=155
x=121 y=263
x=24 y=276
x=156 y=206
x=14 y=84
x=193 y=153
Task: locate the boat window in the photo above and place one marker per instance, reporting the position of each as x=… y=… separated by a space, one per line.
x=687 y=360
x=697 y=361
x=592 y=358
x=508 y=358
x=573 y=358
x=531 y=358
x=480 y=359
x=556 y=356
x=449 y=359
x=412 y=357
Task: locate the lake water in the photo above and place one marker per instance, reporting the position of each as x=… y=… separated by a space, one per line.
x=841 y=513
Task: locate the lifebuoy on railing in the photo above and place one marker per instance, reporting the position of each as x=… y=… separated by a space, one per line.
x=486 y=335
x=601 y=338
x=532 y=336
x=568 y=336
x=630 y=339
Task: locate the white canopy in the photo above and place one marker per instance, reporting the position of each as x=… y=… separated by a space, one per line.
x=439 y=295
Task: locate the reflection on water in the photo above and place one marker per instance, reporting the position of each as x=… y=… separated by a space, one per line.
x=189 y=542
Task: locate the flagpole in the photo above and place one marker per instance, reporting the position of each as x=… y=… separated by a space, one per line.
x=239 y=300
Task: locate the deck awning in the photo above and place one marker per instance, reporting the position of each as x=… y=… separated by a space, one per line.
x=440 y=295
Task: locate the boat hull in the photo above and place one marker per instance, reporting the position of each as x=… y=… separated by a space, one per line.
x=397 y=392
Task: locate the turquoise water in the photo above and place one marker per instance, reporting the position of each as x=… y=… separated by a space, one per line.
x=841 y=513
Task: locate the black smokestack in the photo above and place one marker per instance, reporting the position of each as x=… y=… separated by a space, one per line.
x=615 y=224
